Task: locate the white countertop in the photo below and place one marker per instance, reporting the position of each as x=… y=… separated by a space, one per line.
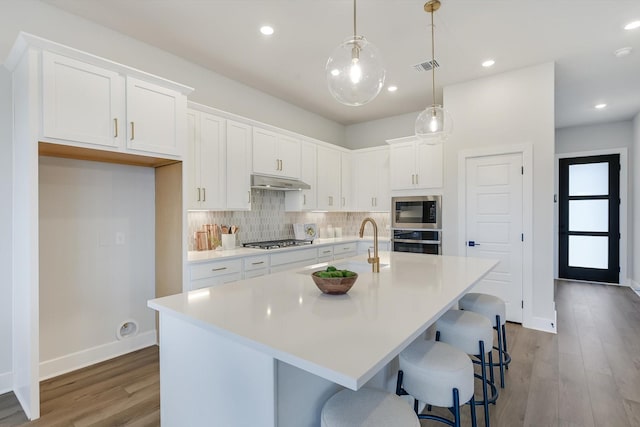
x=343 y=338
x=198 y=256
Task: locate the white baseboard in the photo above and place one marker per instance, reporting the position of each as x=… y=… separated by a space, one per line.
x=6 y=382
x=635 y=286
x=543 y=324
x=81 y=359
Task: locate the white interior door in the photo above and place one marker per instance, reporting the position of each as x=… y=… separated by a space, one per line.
x=494 y=221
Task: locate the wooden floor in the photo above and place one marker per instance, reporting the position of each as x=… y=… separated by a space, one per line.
x=586 y=375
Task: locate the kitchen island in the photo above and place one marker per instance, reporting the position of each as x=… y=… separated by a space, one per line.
x=269 y=351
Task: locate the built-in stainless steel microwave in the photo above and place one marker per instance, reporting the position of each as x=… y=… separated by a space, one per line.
x=416 y=212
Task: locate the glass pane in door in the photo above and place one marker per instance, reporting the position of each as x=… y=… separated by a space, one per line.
x=589 y=215
x=589 y=252
x=589 y=179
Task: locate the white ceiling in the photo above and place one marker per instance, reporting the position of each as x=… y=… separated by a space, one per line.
x=222 y=35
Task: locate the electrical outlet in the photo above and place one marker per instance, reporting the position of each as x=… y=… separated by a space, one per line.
x=120 y=240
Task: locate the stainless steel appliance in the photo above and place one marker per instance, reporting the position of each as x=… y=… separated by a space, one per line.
x=417 y=241
x=416 y=212
x=276 y=244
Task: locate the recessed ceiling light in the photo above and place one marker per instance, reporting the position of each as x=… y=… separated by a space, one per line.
x=632 y=25
x=623 y=51
x=266 y=30
x=599 y=106
x=392 y=88
x=488 y=63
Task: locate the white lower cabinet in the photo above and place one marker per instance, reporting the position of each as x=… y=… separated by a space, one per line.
x=293 y=259
x=325 y=253
x=203 y=275
x=364 y=245
x=255 y=266
x=345 y=250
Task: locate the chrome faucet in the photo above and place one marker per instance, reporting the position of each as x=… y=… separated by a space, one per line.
x=375 y=261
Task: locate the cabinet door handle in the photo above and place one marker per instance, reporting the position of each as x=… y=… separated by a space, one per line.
x=204 y=194
x=416 y=179
x=326 y=252
x=249 y=199
x=257 y=263
x=372 y=202
x=198 y=194
x=304 y=200
x=413 y=179
x=277 y=164
x=219 y=269
x=115 y=126
x=281 y=167
x=133 y=131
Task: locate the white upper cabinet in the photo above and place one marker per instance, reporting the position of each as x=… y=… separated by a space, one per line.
x=206 y=161
x=328 y=181
x=372 y=180
x=107 y=108
x=275 y=154
x=155 y=118
x=238 y=166
x=347 y=202
x=81 y=102
x=415 y=164
x=305 y=200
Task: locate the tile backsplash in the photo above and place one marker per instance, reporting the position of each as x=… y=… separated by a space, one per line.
x=267 y=220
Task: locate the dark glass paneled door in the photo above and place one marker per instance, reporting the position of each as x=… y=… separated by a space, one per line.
x=589 y=218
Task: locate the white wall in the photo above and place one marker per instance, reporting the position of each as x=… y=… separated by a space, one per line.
x=508 y=109
x=635 y=218
x=594 y=137
x=376 y=132
x=89 y=284
x=210 y=88
x=5 y=230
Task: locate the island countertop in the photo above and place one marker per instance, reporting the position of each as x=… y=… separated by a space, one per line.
x=345 y=339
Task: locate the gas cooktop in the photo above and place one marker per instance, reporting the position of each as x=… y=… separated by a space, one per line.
x=276 y=244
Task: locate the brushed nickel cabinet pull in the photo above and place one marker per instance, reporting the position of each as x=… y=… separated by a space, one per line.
x=304 y=199
x=277 y=164
x=198 y=194
x=115 y=125
x=416 y=179
x=330 y=200
x=204 y=194
x=219 y=269
x=249 y=194
x=257 y=263
x=133 y=131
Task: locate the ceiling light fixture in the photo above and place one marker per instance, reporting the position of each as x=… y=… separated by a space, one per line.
x=599 y=106
x=632 y=25
x=488 y=63
x=392 y=88
x=354 y=70
x=267 y=30
x=434 y=124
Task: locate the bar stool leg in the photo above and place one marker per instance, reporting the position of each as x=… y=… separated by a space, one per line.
x=501 y=343
x=485 y=403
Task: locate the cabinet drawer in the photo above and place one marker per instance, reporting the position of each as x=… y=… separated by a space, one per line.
x=295 y=256
x=217 y=268
x=325 y=252
x=256 y=263
x=344 y=248
x=256 y=273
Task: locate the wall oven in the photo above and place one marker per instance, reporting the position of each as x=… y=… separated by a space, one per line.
x=417 y=241
x=416 y=212
x=416 y=224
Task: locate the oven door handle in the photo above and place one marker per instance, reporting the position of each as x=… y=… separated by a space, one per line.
x=428 y=242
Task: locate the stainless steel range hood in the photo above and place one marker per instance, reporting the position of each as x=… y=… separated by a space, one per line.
x=275 y=183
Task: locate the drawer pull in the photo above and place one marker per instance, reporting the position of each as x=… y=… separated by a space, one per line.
x=257 y=263
x=115 y=125
x=219 y=269
x=326 y=252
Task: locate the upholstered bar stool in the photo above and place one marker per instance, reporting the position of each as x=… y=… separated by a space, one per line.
x=367 y=407
x=494 y=309
x=437 y=374
x=473 y=334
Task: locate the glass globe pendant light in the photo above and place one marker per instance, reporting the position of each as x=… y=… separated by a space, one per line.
x=434 y=124
x=354 y=70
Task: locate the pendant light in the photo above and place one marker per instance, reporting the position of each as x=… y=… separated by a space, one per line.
x=354 y=70
x=434 y=124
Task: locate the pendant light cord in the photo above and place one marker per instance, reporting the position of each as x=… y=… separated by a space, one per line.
x=433 y=62
x=354 y=20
